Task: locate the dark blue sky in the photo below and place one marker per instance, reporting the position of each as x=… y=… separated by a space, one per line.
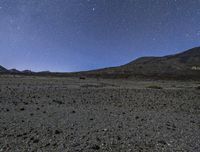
x=73 y=35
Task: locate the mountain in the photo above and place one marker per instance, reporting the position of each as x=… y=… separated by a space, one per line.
x=2 y=69
x=27 y=72
x=44 y=72
x=14 y=71
x=172 y=64
x=185 y=65
x=182 y=65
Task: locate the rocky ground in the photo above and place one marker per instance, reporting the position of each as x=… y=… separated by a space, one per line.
x=88 y=115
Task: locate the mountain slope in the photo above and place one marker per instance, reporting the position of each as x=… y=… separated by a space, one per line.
x=14 y=71
x=168 y=64
x=186 y=64
x=2 y=69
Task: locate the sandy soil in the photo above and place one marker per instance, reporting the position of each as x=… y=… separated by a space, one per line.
x=77 y=115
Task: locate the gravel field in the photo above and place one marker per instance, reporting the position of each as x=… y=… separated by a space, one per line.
x=86 y=115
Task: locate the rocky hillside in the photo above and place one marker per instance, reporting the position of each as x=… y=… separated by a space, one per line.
x=182 y=65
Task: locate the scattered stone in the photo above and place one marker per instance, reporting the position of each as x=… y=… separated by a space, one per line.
x=22 y=109
x=58 y=102
x=73 y=111
x=95 y=147
x=48 y=144
x=162 y=142
x=118 y=138
x=35 y=140
x=57 y=132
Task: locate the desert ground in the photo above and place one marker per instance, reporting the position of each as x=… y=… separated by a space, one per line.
x=87 y=115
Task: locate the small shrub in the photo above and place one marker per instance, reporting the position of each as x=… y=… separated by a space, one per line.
x=154 y=87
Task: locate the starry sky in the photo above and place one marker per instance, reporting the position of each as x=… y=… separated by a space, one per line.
x=74 y=35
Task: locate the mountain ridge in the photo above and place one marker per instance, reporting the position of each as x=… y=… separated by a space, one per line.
x=185 y=64
x=2 y=69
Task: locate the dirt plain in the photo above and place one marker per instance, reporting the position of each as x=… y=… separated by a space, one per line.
x=87 y=115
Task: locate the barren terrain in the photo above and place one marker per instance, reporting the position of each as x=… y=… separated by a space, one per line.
x=86 y=115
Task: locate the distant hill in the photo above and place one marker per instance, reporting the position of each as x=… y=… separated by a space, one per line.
x=14 y=71
x=2 y=69
x=185 y=65
x=27 y=71
x=182 y=65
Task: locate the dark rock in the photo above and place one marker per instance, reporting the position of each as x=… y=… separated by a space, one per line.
x=95 y=147
x=73 y=111
x=162 y=142
x=57 y=132
x=35 y=140
x=22 y=109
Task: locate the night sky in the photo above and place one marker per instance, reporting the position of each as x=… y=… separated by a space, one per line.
x=73 y=35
